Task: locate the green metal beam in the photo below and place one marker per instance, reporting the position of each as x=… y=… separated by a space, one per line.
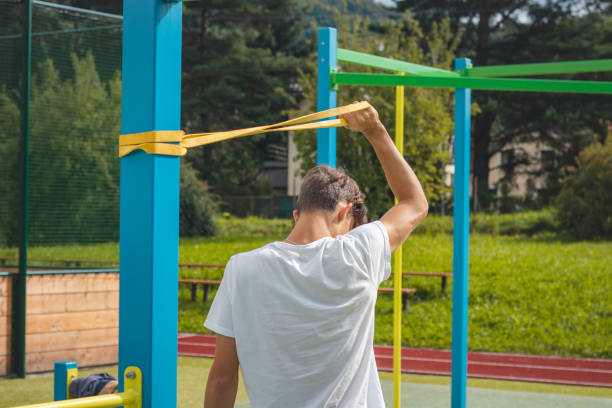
x=389 y=64
x=547 y=68
x=491 y=84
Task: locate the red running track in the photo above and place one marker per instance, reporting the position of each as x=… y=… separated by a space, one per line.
x=573 y=371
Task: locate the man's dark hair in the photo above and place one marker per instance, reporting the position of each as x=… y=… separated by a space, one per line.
x=324 y=187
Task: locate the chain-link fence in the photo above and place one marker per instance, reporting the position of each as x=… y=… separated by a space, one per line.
x=75 y=110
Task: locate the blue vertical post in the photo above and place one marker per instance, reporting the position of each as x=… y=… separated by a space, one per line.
x=326 y=96
x=63 y=373
x=149 y=200
x=461 y=232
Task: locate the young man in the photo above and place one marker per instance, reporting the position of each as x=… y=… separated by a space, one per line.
x=298 y=315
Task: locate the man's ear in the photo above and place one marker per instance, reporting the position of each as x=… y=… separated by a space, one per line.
x=296 y=215
x=344 y=210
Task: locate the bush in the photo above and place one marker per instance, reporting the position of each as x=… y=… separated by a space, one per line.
x=583 y=206
x=525 y=223
x=252 y=227
x=197 y=206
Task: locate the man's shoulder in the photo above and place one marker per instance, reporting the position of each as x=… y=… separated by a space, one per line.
x=374 y=229
x=248 y=257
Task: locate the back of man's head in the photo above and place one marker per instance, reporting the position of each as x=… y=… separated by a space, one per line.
x=324 y=187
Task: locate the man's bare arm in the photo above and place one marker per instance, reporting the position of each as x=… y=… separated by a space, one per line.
x=222 y=383
x=412 y=206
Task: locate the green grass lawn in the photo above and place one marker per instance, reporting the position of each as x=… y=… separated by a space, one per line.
x=535 y=295
x=193 y=372
x=527 y=295
x=192 y=375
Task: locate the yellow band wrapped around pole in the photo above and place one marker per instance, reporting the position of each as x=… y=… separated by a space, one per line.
x=176 y=143
x=397 y=264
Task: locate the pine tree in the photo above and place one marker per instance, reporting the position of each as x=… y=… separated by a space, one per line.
x=240 y=60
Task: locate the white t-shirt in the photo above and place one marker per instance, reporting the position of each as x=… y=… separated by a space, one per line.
x=303 y=319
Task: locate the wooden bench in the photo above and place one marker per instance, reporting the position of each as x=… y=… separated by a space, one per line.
x=405 y=293
x=205 y=284
x=211 y=282
x=443 y=275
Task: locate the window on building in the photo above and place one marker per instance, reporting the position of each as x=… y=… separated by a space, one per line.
x=507 y=157
x=547 y=158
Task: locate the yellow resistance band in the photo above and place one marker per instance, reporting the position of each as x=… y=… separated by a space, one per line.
x=176 y=142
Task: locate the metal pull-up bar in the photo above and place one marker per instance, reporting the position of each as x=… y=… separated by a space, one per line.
x=488 y=84
x=482 y=78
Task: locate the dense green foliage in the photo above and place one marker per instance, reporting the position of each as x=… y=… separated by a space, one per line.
x=240 y=59
x=248 y=63
x=428 y=123
x=75 y=105
x=584 y=205
x=74 y=171
x=197 y=205
x=525 y=223
x=525 y=31
x=73 y=133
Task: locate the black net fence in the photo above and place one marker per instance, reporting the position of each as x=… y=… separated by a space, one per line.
x=11 y=44
x=260 y=206
x=75 y=110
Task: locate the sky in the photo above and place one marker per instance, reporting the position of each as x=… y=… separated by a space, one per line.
x=386 y=3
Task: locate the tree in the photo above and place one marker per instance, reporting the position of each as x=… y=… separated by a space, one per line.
x=9 y=168
x=583 y=206
x=74 y=168
x=566 y=122
x=197 y=205
x=522 y=31
x=428 y=124
x=74 y=171
x=240 y=60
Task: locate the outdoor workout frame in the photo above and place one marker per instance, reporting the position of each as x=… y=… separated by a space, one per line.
x=149 y=198
x=463 y=80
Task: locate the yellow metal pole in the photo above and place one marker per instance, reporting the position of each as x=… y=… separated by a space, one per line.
x=130 y=398
x=397 y=264
x=99 y=401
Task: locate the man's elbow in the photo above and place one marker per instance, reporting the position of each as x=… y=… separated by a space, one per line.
x=425 y=208
x=222 y=383
x=421 y=209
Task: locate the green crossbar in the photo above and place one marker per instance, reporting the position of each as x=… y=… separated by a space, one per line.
x=547 y=68
x=491 y=84
x=389 y=64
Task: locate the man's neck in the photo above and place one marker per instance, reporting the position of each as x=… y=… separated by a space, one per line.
x=309 y=228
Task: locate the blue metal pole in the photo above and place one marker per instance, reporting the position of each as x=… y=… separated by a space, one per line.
x=326 y=96
x=461 y=213
x=62 y=373
x=149 y=200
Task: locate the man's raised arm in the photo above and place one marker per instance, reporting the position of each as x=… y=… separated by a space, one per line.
x=411 y=207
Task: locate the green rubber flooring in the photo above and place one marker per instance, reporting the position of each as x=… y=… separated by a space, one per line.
x=438 y=396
